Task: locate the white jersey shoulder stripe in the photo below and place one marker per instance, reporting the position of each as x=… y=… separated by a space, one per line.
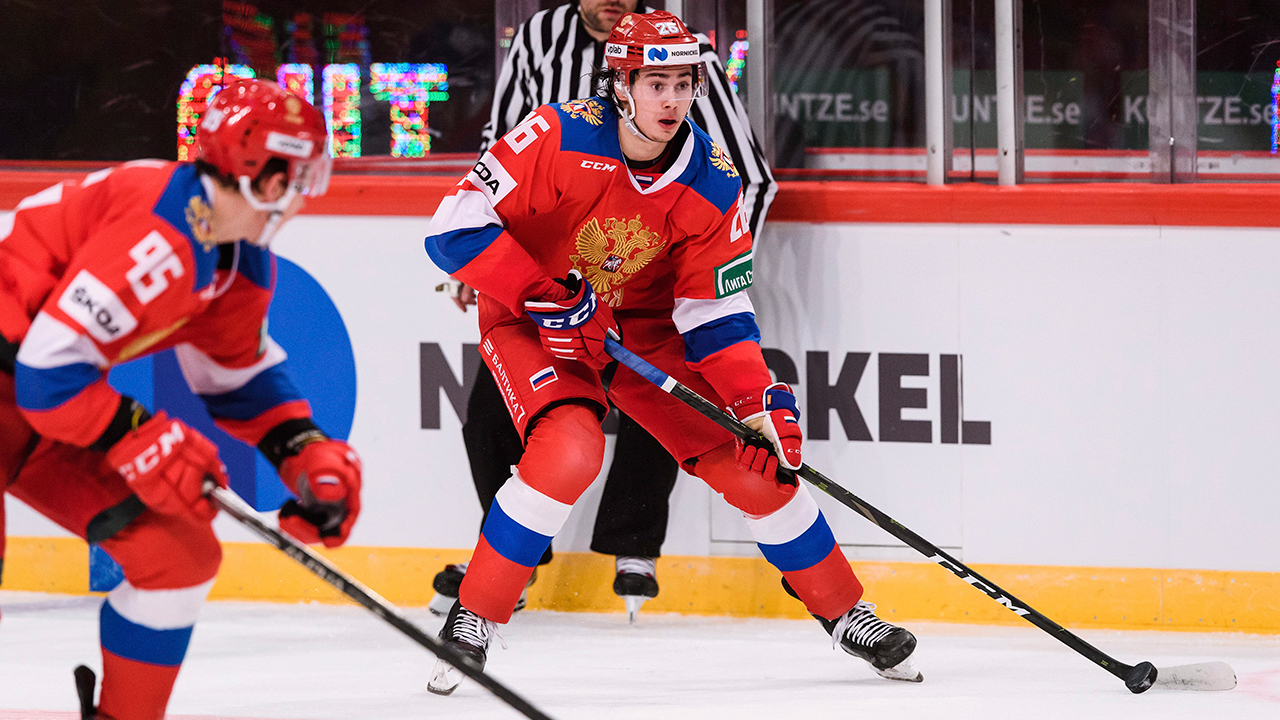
x=47 y=196
x=462 y=210
x=51 y=343
x=691 y=313
x=206 y=377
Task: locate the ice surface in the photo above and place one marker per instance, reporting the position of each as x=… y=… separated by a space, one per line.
x=316 y=662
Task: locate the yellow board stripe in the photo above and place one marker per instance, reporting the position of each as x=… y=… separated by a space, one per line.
x=1117 y=598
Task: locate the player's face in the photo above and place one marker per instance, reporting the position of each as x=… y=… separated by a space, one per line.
x=600 y=15
x=662 y=97
x=235 y=219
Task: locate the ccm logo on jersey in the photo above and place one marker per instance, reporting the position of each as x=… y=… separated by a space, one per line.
x=490 y=178
x=598 y=166
x=98 y=310
x=147 y=460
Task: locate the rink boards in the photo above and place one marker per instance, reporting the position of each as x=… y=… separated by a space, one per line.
x=1071 y=387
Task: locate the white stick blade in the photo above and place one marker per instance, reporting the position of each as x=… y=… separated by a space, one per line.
x=1199 y=676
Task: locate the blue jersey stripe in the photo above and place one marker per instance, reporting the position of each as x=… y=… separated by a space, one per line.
x=47 y=388
x=256 y=264
x=452 y=250
x=267 y=389
x=512 y=540
x=143 y=644
x=717 y=186
x=804 y=552
x=712 y=337
x=173 y=204
x=577 y=134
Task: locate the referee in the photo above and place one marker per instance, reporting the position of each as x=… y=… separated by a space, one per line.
x=551 y=60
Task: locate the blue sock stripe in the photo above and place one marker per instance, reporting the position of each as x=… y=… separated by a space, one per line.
x=512 y=540
x=136 y=642
x=811 y=548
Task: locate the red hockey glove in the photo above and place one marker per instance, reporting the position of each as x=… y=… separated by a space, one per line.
x=574 y=328
x=325 y=475
x=165 y=462
x=775 y=415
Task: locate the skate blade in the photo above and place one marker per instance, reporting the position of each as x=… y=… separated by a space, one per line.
x=633 y=603
x=902 y=672
x=445 y=678
x=1199 y=676
x=441 y=604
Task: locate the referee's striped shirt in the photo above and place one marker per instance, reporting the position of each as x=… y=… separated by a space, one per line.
x=551 y=60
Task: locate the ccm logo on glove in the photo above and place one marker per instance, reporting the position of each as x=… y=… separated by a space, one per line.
x=165 y=462
x=574 y=324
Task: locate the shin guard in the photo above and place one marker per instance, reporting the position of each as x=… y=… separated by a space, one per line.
x=797 y=540
x=144 y=636
x=562 y=457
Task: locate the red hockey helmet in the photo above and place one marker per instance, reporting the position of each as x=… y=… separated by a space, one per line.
x=656 y=39
x=252 y=121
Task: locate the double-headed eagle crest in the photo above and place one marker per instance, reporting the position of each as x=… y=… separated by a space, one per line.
x=199 y=218
x=722 y=162
x=588 y=110
x=608 y=257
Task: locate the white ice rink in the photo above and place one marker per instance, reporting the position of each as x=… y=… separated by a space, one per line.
x=313 y=662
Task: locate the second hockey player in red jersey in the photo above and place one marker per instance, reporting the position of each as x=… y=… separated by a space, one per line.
x=616 y=217
x=126 y=262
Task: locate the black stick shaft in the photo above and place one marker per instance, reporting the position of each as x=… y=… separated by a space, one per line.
x=888 y=524
x=354 y=589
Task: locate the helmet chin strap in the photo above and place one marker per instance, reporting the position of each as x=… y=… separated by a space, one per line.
x=629 y=113
x=276 y=209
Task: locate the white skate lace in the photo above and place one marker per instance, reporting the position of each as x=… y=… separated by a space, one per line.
x=861 y=626
x=636 y=565
x=475 y=630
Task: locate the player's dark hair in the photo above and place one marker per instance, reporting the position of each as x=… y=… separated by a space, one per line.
x=273 y=166
x=603 y=79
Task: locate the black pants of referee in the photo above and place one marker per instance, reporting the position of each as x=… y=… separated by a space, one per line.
x=632 y=519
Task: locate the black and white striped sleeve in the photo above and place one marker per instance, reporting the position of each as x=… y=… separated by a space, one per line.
x=513 y=96
x=724 y=118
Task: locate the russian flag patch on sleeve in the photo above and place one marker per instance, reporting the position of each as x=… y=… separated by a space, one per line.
x=543 y=378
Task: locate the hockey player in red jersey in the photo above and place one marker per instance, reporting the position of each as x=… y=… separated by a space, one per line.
x=616 y=216
x=126 y=262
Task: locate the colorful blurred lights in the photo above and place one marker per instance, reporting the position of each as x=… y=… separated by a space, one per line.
x=410 y=88
x=201 y=85
x=298 y=79
x=342 y=109
x=1275 y=111
x=737 y=61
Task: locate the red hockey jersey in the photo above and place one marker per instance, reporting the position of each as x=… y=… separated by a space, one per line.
x=556 y=194
x=122 y=264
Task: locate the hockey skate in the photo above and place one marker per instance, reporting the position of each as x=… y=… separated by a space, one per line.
x=469 y=635
x=886 y=648
x=448 y=580
x=636 y=582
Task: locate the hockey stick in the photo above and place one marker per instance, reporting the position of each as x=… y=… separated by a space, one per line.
x=354 y=589
x=1138 y=678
